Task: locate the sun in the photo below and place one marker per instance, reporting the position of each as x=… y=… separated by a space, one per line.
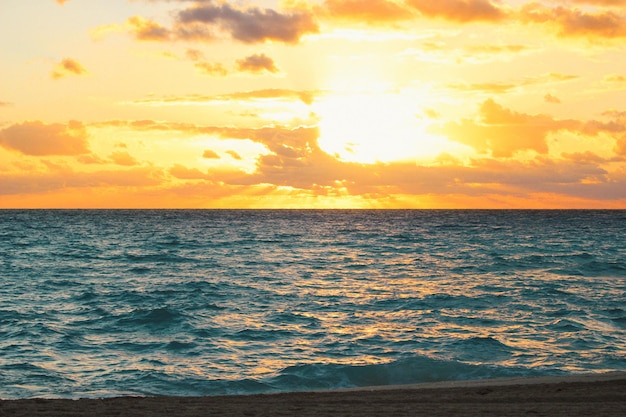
x=370 y=127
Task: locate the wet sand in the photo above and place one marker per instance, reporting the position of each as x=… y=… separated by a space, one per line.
x=585 y=395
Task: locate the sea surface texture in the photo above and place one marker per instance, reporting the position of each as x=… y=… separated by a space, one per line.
x=206 y=302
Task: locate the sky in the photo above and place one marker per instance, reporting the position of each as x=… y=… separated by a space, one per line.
x=313 y=104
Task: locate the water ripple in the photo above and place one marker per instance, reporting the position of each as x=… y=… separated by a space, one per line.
x=101 y=303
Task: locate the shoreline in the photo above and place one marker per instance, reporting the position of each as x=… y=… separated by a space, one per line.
x=586 y=394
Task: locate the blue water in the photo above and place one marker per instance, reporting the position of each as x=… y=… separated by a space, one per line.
x=105 y=303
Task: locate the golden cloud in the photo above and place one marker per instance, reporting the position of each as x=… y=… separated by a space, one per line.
x=296 y=162
x=461 y=11
x=37 y=138
x=210 y=154
x=123 y=158
x=367 y=11
x=502 y=132
x=34 y=183
x=66 y=67
x=184 y=173
x=605 y=3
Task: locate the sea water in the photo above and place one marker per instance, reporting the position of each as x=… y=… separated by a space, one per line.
x=100 y=303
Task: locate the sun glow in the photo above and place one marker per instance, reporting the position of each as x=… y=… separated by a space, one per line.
x=371 y=127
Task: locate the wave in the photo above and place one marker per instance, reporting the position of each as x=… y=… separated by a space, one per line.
x=412 y=370
x=158 y=317
x=218 y=302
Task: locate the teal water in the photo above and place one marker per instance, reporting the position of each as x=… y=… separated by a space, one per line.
x=206 y=302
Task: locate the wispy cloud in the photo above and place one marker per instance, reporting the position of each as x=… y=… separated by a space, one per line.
x=505 y=87
x=549 y=98
x=306 y=97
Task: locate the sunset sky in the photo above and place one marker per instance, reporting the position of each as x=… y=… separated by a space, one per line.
x=313 y=103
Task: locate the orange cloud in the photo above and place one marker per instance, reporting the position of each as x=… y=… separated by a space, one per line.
x=257 y=63
x=503 y=132
x=61 y=2
x=298 y=162
x=575 y=22
x=297 y=165
x=620 y=146
x=123 y=158
x=37 y=138
x=184 y=173
x=367 y=11
x=606 y=3
x=588 y=158
x=67 y=179
x=461 y=11
x=90 y=159
x=67 y=67
x=210 y=154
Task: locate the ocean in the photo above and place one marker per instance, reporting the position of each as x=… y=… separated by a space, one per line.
x=102 y=303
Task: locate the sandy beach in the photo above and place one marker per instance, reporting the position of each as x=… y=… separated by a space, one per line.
x=585 y=395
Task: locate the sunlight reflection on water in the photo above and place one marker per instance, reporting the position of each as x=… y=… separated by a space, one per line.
x=208 y=302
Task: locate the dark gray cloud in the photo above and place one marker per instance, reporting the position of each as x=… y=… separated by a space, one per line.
x=257 y=63
x=252 y=25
